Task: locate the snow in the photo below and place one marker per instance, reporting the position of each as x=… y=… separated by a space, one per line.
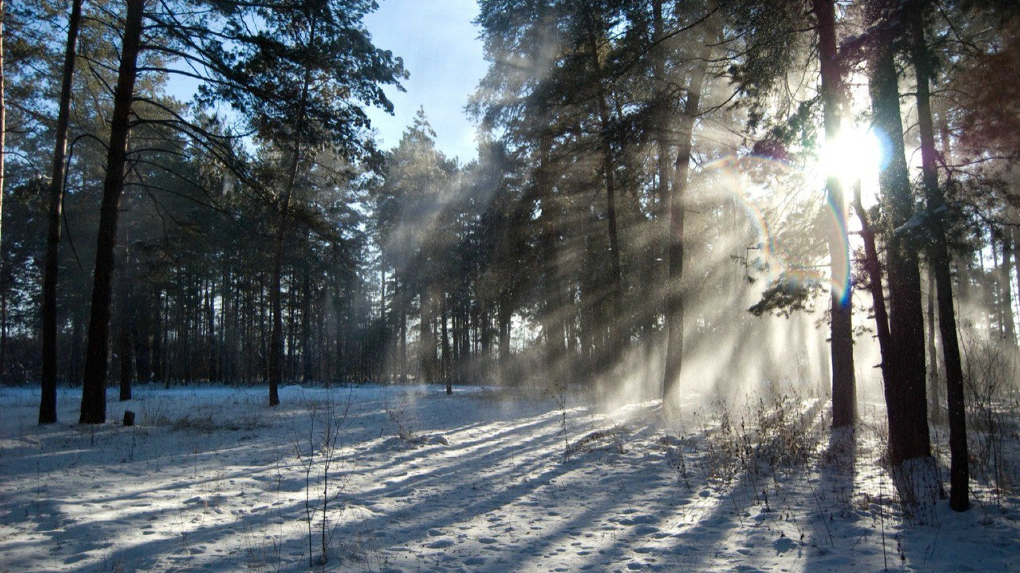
x=212 y=479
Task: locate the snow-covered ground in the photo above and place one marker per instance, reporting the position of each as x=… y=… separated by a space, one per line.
x=213 y=479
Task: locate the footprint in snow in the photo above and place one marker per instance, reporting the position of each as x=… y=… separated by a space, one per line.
x=645 y=529
x=637 y=520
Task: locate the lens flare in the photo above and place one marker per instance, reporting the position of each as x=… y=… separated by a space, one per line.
x=777 y=259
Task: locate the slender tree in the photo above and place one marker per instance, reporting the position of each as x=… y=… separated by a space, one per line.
x=51 y=268
x=93 y=402
x=939 y=259
x=905 y=388
x=844 y=386
x=676 y=203
x=3 y=116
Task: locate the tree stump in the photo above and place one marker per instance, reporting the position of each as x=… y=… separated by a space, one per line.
x=129 y=418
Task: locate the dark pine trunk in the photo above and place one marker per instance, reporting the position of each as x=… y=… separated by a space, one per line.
x=906 y=402
x=93 y=399
x=934 y=395
x=676 y=204
x=445 y=345
x=959 y=474
x=276 y=338
x=1006 y=292
x=48 y=403
x=125 y=326
x=844 y=384
x=158 y=372
x=3 y=118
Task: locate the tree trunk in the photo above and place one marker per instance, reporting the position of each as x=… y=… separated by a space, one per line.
x=3 y=117
x=936 y=204
x=553 y=327
x=3 y=332
x=48 y=403
x=275 y=287
x=907 y=407
x=158 y=373
x=609 y=175
x=306 y=321
x=676 y=202
x=427 y=338
x=445 y=345
x=934 y=395
x=403 y=340
x=874 y=269
x=125 y=326
x=93 y=401
x=844 y=383
x=1006 y=294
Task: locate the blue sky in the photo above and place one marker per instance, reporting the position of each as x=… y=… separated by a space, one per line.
x=440 y=47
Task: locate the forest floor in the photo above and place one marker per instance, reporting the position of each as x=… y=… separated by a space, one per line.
x=212 y=479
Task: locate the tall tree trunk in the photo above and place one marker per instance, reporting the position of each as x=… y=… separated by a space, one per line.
x=210 y=329
x=615 y=303
x=907 y=407
x=934 y=385
x=125 y=325
x=48 y=403
x=3 y=331
x=158 y=373
x=504 y=315
x=306 y=320
x=427 y=336
x=1006 y=292
x=553 y=323
x=445 y=345
x=403 y=339
x=1014 y=234
x=276 y=338
x=3 y=117
x=844 y=383
x=93 y=400
x=661 y=116
x=936 y=205
x=677 y=203
x=993 y=286
x=873 y=267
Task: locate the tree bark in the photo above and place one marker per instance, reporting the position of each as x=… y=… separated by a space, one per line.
x=48 y=403
x=1006 y=292
x=553 y=322
x=158 y=372
x=125 y=326
x=276 y=338
x=93 y=402
x=306 y=320
x=934 y=395
x=3 y=117
x=609 y=175
x=676 y=204
x=906 y=403
x=445 y=345
x=844 y=383
x=427 y=338
x=936 y=205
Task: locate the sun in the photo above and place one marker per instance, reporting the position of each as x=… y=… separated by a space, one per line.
x=855 y=156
